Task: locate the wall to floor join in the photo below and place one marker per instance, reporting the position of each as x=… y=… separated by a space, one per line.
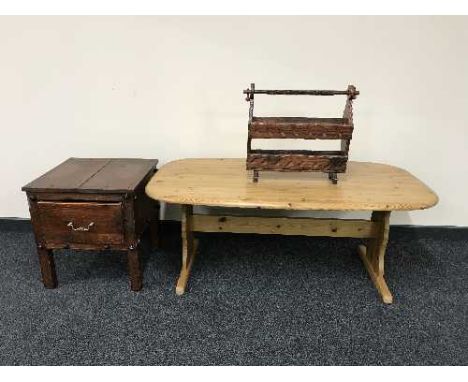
x=171 y=88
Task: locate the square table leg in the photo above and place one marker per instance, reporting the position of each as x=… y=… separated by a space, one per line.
x=134 y=269
x=188 y=249
x=373 y=255
x=46 y=261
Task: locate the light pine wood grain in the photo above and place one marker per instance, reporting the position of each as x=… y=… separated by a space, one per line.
x=285 y=226
x=226 y=183
x=377 y=279
x=188 y=249
x=182 y=280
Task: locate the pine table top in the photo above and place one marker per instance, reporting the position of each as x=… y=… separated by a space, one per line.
x=227 y=183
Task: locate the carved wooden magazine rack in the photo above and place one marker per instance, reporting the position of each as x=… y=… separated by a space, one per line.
x=331 y=162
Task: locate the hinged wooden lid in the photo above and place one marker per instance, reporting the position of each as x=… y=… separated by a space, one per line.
x=88 y=175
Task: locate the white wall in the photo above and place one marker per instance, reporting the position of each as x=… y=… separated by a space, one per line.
x=171 y=87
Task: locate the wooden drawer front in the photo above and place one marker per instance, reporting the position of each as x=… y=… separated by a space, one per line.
x=71 y=223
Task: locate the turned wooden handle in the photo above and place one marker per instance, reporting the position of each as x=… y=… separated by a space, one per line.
x=299 y=92
x=351 y=92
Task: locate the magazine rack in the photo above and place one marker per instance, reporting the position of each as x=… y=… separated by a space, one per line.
x=331 y=162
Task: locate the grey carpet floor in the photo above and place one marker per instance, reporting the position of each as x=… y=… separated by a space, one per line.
x=252 y=300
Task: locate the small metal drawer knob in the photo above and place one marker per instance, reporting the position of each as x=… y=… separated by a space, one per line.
x=81 y=229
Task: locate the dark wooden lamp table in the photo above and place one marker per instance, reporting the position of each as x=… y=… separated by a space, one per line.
x=93 y=204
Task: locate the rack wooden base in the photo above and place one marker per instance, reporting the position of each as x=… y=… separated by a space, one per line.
x=375 y=231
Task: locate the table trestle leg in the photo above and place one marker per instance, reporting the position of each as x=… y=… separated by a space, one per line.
x=188 y=249
x=373 y=255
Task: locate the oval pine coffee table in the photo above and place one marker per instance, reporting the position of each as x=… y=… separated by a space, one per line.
x=375 y=187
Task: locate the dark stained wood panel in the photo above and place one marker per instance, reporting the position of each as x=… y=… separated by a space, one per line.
x=297 y=161
x=300 y=128
x=88 y=175
x=67 y=175
x=120 y=174
x=80 y=223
